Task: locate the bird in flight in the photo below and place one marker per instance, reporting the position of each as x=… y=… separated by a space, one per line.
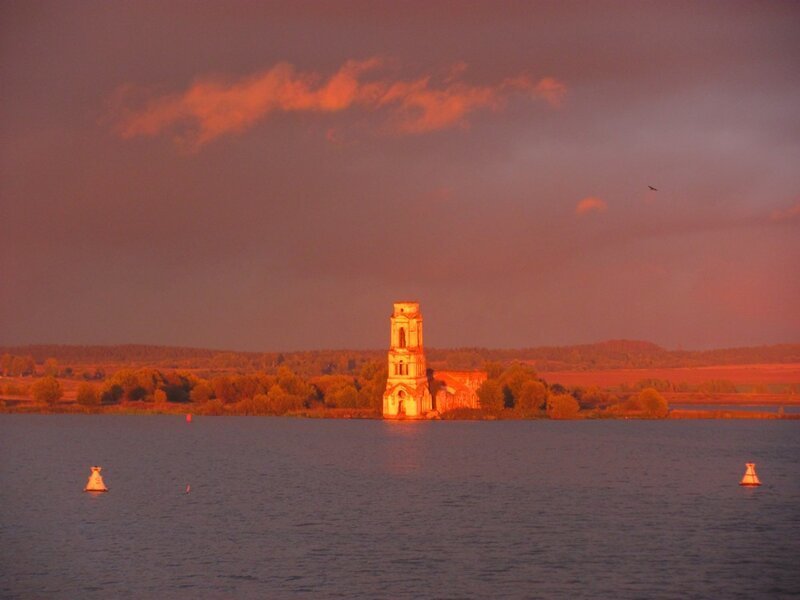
x=652 y=188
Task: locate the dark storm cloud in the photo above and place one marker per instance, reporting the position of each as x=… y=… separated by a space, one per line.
x=301 y=214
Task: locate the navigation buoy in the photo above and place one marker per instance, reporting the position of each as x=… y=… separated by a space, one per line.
x=95 y=483
x=188 y=488
x=750 y=478
x=188 y=417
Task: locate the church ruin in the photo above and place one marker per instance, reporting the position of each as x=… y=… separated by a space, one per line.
x=410 y=383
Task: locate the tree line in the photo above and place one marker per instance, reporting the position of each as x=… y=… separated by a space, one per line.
x=604 y=355
x=257 y=393
x=515 y=391
x=518 y=391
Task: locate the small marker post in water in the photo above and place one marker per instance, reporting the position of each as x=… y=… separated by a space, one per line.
x=188 y=488
x=188 y=417
x=95 y=483
x=750 y=478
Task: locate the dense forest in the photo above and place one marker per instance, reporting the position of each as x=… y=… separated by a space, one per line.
x=614 y=354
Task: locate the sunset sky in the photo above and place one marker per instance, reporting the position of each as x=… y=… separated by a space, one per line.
x=271 y=176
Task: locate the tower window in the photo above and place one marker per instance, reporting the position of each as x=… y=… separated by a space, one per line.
x=402 y=342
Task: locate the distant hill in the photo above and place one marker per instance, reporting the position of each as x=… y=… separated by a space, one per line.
x=609 y=354
x=615 y=354
x=122 y=353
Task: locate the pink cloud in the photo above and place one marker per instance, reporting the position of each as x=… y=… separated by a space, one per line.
x=418 y=108
x=212 y=107
x=787 y=214
x=549 y=89
x=590 y=204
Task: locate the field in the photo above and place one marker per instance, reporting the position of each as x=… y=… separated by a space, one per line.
x=758 y=382
x=737 y=374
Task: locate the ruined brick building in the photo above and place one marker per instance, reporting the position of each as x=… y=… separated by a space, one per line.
x=410 y=383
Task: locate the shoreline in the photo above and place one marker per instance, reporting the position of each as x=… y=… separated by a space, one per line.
x=29 y=408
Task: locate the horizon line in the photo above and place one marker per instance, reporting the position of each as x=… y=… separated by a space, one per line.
x=6 y=347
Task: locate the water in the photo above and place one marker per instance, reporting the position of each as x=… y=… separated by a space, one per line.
x=337 y=508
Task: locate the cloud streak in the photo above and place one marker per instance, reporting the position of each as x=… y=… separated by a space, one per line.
x=791 y=213
x=211 y=107
x=589 y=205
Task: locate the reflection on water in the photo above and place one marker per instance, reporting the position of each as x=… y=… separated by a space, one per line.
x=348 y=508
x=403 y=447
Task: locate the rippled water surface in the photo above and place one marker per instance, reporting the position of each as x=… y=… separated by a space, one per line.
x=337 y=508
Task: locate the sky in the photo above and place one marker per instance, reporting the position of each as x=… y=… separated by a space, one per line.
x=272 y=176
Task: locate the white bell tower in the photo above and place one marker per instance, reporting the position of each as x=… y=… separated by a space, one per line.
x=407 y=394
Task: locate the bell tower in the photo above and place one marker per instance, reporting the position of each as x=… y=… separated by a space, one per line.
x=407 y=394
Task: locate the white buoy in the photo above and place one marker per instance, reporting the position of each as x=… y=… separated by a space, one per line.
x=750 y=478
x=95 y=483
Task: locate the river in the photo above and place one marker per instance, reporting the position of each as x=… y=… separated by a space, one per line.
x=282 y=507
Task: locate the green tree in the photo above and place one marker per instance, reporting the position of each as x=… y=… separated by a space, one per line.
x=112 y=393
x=51 y=367
x=516 y=376
x=293 y=384
x=213 y=407
x=562 y=406
x=261 y=405
x=594 y=397
x=148 y=380
x=652 y=403
x=513 y=379
x=224 y=390
x=281 y=401
x=337 y=391
x=176 y=385
x=88 y=395
x=532 y=396
x=247 y=386
x=201 y=393
x=344 y=396
x=130 y=383
x=371 y=384
x=47 y=389
x=490 y=395
x=257 y=405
